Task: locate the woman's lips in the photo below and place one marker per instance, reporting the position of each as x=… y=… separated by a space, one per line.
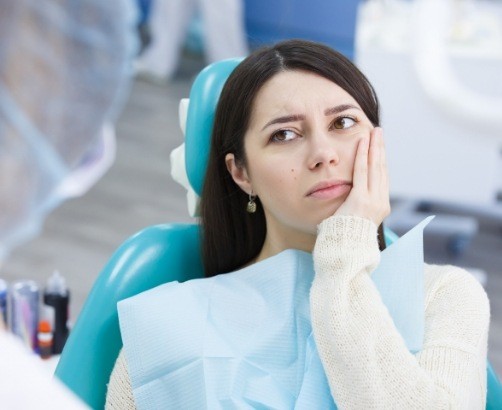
x=331 y=192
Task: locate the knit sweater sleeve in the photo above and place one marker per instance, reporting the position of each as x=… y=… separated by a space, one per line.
x=364 y=356
x=119 y=395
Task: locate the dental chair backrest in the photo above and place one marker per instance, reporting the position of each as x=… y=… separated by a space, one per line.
x=154 y=256
x=157 y=255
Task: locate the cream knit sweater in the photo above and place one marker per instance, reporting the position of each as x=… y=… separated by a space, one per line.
x=365 y=358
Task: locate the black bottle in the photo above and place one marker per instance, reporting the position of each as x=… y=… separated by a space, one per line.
x=57 y=296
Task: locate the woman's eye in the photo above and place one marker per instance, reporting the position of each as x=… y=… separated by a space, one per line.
x=283 y=136
x=343 y=123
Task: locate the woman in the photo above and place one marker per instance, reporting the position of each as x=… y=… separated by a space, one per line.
x=297 y=162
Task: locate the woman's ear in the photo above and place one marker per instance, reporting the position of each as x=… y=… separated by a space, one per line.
x=239 y=173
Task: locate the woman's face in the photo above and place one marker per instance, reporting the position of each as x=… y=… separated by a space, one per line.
x=300 y=149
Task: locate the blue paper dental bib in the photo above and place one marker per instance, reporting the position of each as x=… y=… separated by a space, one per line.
x=244 y=339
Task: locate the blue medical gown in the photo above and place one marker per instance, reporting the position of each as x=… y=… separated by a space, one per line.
x=244 y=339
x=241 y=340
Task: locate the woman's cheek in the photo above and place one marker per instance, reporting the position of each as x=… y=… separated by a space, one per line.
x=293 y=174
x=347 y=152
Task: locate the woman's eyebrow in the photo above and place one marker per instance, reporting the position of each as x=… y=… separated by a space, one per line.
x=340 y=108
x=301 y=117
x=282 y=120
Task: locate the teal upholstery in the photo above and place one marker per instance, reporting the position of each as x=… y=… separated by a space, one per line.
x=494 y=394
x=154 y=256
x=204 y=97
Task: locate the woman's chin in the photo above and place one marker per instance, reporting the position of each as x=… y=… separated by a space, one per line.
x=328 y=211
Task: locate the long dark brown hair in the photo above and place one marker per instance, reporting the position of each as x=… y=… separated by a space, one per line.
x=230 y=236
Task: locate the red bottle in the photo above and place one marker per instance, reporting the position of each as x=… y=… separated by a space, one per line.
x=45 y=339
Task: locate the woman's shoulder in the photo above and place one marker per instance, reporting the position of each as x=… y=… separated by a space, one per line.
x=119 y=394
x=441 y=276
x=454 y=294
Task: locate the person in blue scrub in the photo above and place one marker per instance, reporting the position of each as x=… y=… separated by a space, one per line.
x=64 y=72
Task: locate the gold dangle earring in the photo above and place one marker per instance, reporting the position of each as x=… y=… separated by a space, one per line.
x=251 y=206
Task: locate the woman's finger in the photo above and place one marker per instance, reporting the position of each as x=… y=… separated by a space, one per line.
x=385 y=192
x=383 y=158
x=360 y=173
x=374 y=161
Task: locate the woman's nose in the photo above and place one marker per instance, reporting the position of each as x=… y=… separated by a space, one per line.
x=323 y=152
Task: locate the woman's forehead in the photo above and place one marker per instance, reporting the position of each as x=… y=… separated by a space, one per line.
x=294 y=91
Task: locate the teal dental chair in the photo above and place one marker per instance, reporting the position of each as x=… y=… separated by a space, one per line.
x=154 y=256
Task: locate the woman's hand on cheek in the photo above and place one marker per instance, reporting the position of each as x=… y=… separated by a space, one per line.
x=369 y=197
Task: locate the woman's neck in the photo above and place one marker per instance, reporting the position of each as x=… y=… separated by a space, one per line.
x=276 y=243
